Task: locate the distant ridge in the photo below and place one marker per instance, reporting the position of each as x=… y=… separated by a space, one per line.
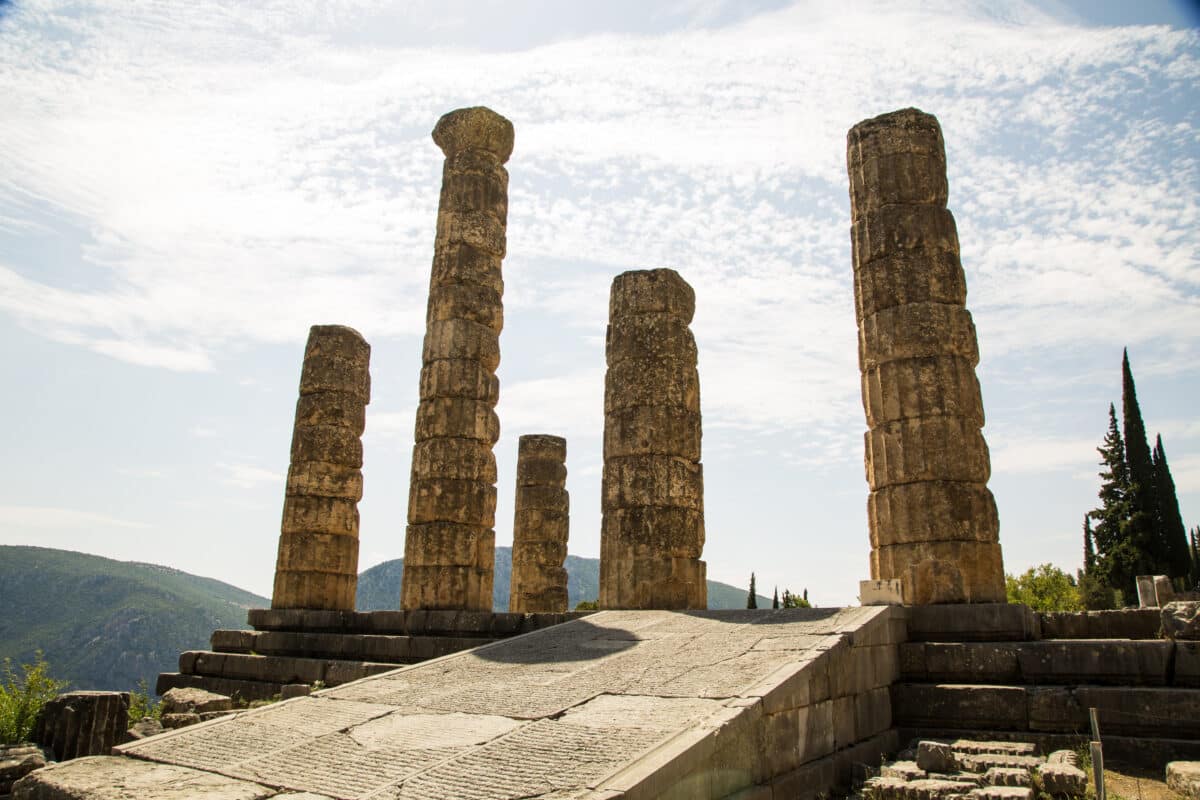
x=379 y=586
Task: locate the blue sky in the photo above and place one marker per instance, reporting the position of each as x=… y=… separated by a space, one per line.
x=186 y=188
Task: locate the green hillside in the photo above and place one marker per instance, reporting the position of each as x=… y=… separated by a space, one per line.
x=106 y=624
x=379 y=586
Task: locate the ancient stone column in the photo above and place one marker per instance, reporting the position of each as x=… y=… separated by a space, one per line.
x=540 y=526
x=932 y=519
x=317 y=565
x=450 y=544
x=652 y=534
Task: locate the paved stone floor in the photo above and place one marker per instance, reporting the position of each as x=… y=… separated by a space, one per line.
x=553 y=714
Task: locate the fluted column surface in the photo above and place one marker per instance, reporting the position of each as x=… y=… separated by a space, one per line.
x=540 y=526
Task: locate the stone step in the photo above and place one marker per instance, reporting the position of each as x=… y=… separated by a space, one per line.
x=390 y=649
x=243 y=690
x=1005 y=622
x=485 y=624
x=1123 y=710
x=277 y=669
x=1134 y=749
x=1078 y=661
x=1125 y=623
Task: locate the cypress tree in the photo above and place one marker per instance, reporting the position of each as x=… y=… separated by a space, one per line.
x=1195 y=578
x=1089 y=549
x=1116 y=556
x=751 y=601
x=1144 y=533
x=775 y=599
x=1170 y=521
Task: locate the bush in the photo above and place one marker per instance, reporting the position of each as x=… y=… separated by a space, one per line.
x=587 y=605
x=1046 y=588
x=141 y=705
x=22 y=698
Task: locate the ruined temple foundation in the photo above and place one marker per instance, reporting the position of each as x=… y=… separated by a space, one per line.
x=540 y=526
x=652 y=534
x=317 y=564
x=932 y=519
x=450 y=542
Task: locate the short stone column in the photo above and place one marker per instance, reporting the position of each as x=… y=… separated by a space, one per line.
x=540 y=526
x=317 y=566
x=78 y=724
x=932 y=519
x=450 y=543
x=652 y=534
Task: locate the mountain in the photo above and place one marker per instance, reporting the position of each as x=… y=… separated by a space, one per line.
x=379 y=586
x=105 y=624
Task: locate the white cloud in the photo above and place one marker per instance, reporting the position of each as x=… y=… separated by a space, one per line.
x=248 y=476
x=51 y=517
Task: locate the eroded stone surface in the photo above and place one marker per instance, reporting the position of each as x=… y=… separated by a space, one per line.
x=317 y=563
x=109 y=778
x=931 y=517
x=1184 y=777
x=608 y=702
x=540 y=526
x=450 y=543
x=652 y=533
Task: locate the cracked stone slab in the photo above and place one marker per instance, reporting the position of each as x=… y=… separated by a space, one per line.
x=110 y=778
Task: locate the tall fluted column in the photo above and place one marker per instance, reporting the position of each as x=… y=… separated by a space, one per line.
x=317 y=566
x=652 y=534
x=932 y=519
x=450 y=544
x=540 y=526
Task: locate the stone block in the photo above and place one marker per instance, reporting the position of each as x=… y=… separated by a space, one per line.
x=648 y=339
x=1101 y=661
x=935 y=757
x=669 y=382
x=872 y=712
x=974 y=747
x=461 y=263
x=652 y=291
x=330 y=443
x=323 y=479
x=474 y=182
x=923 y=230
x=336 y=359
x=901 y=278
x=1007 y=792
x=1144 y=711
x=78 y=724
x=880 y=593
x=991 y=662
x=17 y=761
x=638 y=481
x=446 y=586
x=457 y=417
x=340 y=409
x=318 y=552
x=904 y=770
x=919 y=331
x=450 y=544
x=1181 y=620
x=478 y=229
x=541 y=472
x=896 y=158
x=316 y=590
x=932 y=511
x=982 y=762
x=312 y=514
x=943 y=572
x=1063 y=780
x=173 y=721
x=1007 y=776
x=550 y=500
x=987 y=622
x=1183 y=777
x=461 y=339
x=1055 y=709
x=652 y=430
x=454 y=458
x=927 y=449
x=465 y=502
x=1063 y=757
x=671 y=531
x=461 y=378
x=1126 y=623
x=543 y=523
x=921 y=387
x=197 y=701
x=961 y=706
x=474 y=129
x=1187 y=664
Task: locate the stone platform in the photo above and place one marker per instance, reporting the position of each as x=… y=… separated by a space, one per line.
x=620 y=704
x=303 y=648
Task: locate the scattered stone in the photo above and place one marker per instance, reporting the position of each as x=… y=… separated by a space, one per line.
x=932 y=520
x=1001 y=793
x=17 y=761
x=83 y=723
x=883 y=788
x=540 y=526
x=207 y=715
x=450 y=544
x=317 y=563
x=1012 y=748
x=1063 y=757
x=1184 y=778
x=180 y=720
x=652 y=498
x=148 y=726
x=1007 y=776
x=1181 y=619
x=936 y=757
x=1063 y=780
x=905 y=770
x=199 y=701
x=982 y=762
x=291 y=690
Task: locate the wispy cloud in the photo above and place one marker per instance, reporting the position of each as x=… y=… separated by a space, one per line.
x=248 y=476
x=49 y=517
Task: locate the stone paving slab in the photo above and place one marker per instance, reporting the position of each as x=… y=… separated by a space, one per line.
x=593 y=708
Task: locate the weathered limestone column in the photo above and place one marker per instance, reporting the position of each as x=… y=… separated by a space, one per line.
x=317 y=565
x=652 y=534
x=450 y=544
x=540 y=526
x=932 y=519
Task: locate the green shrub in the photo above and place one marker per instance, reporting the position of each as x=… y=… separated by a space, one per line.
x=142 y=705
x=22 y=697
x=587 y=605
x=1046 y=588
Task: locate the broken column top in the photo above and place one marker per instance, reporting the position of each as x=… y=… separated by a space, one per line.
x=648 y=291
x=542 y=445
x=474 y=128
x=336 y=359
x=909 y=130
x=896 y=159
